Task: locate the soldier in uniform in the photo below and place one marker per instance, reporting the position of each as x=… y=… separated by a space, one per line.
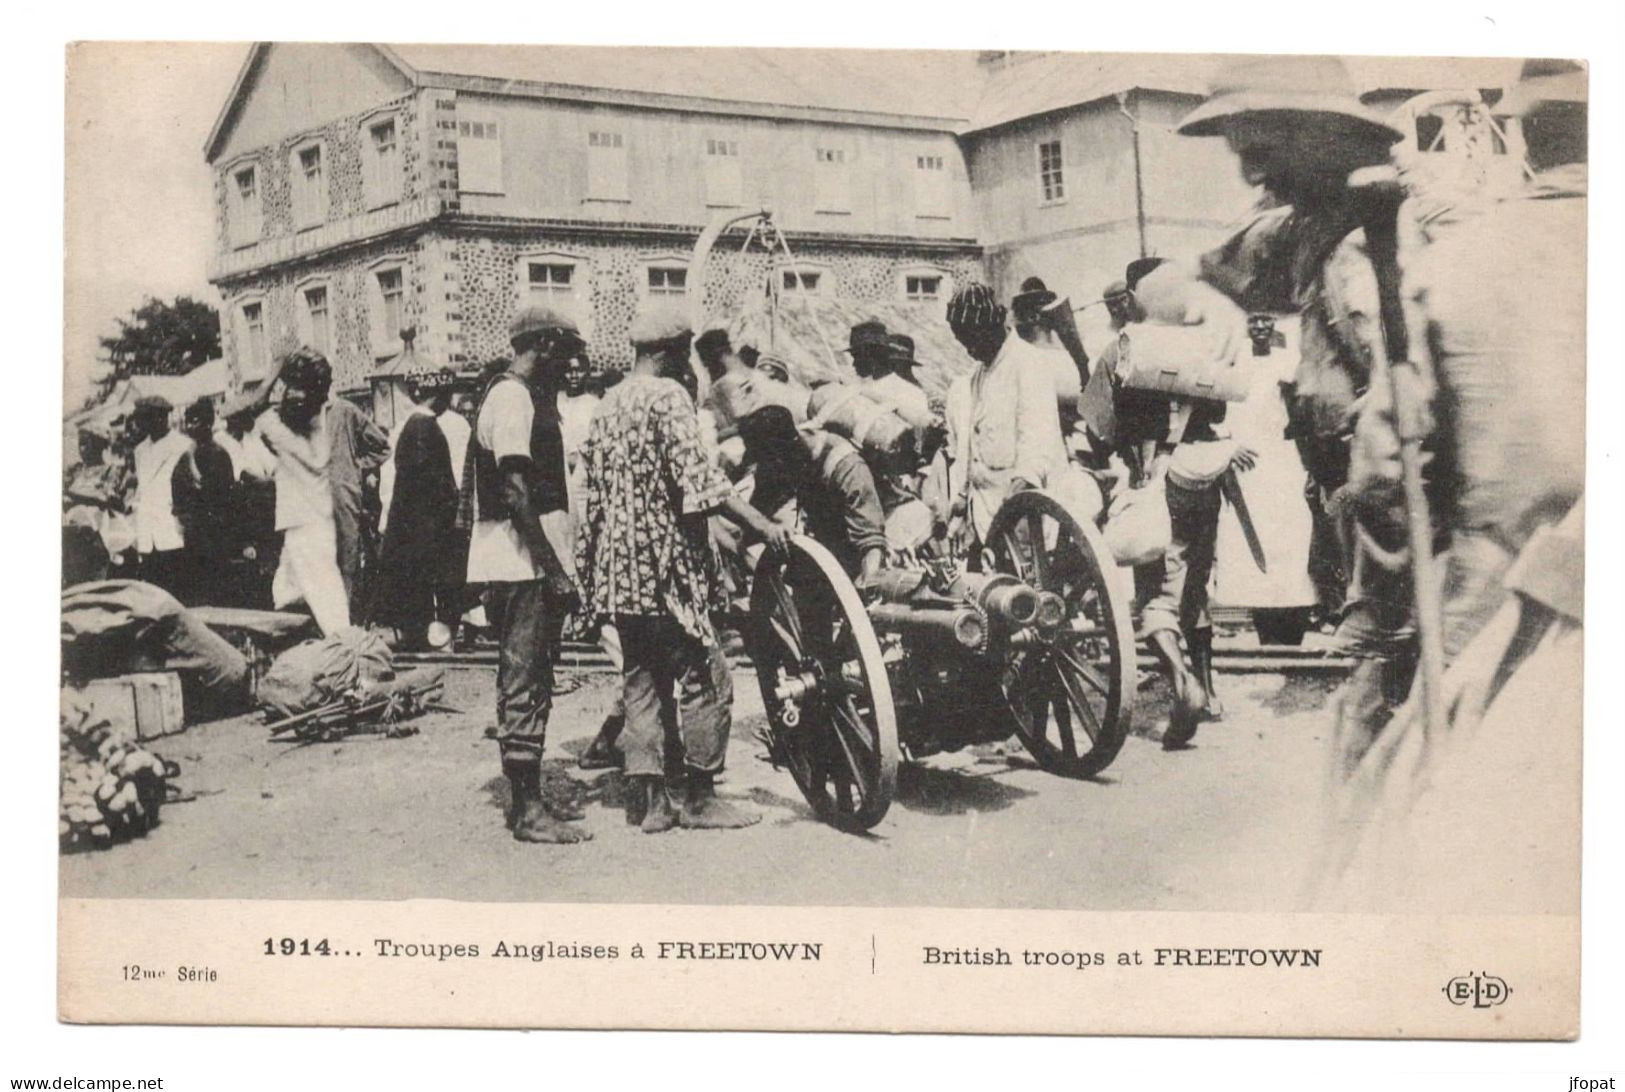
x=1178 y=444
x=1501 y=303
x=1299 y=131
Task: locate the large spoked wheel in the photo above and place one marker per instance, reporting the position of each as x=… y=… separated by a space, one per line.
x=824 y=684
x=1071 y=689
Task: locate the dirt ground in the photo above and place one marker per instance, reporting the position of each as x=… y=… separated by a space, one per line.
x=1217 y=827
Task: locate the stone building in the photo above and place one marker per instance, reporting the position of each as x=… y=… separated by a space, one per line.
x=362 y=189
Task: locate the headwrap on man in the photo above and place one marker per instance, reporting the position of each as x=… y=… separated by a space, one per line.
x=425 y=382
x=975 y=306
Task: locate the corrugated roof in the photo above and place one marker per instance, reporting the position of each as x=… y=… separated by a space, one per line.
x=920 y=83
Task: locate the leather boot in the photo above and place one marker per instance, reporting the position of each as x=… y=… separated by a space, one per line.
x=1189 y=697
x=704 y=810
x=528 y=817
x=1201 y=642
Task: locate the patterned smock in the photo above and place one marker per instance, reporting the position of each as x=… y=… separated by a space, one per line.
x=643 y=547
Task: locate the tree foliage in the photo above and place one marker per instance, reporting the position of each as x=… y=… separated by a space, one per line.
x=162 y=338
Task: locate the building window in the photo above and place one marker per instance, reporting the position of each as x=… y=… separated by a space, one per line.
x=388 y=311
x=925 y=286
x=243 y=206
x=606 y=167
x=804 y=282
x=548 y=279
x=724 y=180
x=931 y=196
x=316 y=326
x=560 y=281
x=667 y=281
x=916 y=289
x=253 y=359
x=381 y=175
x=1051 y=184
x=832 y=189
x=479 y=156
x=309 y=178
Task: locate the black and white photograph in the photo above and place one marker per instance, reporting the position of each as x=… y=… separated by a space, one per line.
x=733 y=477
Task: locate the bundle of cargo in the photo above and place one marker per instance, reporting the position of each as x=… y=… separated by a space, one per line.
x=329 y=688
x=123 y=627
x=1190 y=343
x=808 y=334
x=888 y=442
x=111 y=787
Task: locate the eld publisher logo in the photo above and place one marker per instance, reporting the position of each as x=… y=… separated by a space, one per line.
x=1482 y=991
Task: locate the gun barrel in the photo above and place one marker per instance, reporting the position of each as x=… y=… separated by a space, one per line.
x=999 y=595
x=964 y=626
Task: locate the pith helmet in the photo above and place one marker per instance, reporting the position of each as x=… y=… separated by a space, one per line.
x=1282 y=84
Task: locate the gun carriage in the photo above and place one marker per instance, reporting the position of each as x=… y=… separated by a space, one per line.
x=1030 y=638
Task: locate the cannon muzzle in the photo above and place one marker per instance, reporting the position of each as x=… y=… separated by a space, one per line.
x=1051 y=611
x=1000 y=596
x=964 y=626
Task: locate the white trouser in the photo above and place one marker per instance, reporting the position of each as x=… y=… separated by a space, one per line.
x=309 y=571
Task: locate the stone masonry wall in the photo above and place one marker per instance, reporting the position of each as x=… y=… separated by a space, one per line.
x=424 y=167
x=612 y=273
x=354 y=351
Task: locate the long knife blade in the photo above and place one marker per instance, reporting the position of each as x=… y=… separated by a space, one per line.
x=1230 y=487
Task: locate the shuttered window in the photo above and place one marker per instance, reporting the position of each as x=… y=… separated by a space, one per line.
x=832 y=183
x=606 y=167
x=479 y=155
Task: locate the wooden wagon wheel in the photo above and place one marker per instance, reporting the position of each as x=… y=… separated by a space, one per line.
x=1071 y=689
x=824 y=685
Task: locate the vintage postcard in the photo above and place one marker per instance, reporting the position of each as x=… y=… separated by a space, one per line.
x=834 y=539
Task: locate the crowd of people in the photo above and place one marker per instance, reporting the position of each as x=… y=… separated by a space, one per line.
x=633 y=513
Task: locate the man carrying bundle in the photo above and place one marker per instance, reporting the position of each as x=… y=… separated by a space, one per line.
x=1171 y=371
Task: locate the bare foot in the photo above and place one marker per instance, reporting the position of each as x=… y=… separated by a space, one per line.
x=536 y=825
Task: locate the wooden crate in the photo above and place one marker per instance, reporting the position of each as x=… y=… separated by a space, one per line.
x=145 y=706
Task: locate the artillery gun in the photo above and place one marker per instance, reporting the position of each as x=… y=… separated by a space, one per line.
x=1030 y=638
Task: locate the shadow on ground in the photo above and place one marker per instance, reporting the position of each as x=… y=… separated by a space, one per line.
x=936 y=791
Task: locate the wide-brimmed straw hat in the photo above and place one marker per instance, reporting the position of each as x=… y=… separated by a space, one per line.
x=1310 y=85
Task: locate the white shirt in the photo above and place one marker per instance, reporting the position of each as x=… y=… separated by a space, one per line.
x=457 y=431
x=156 y=527
x=303 y=493
x=248 y=455
x=1003 y=424
x=575 y=421
x=496 y=553
x=895 y=392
